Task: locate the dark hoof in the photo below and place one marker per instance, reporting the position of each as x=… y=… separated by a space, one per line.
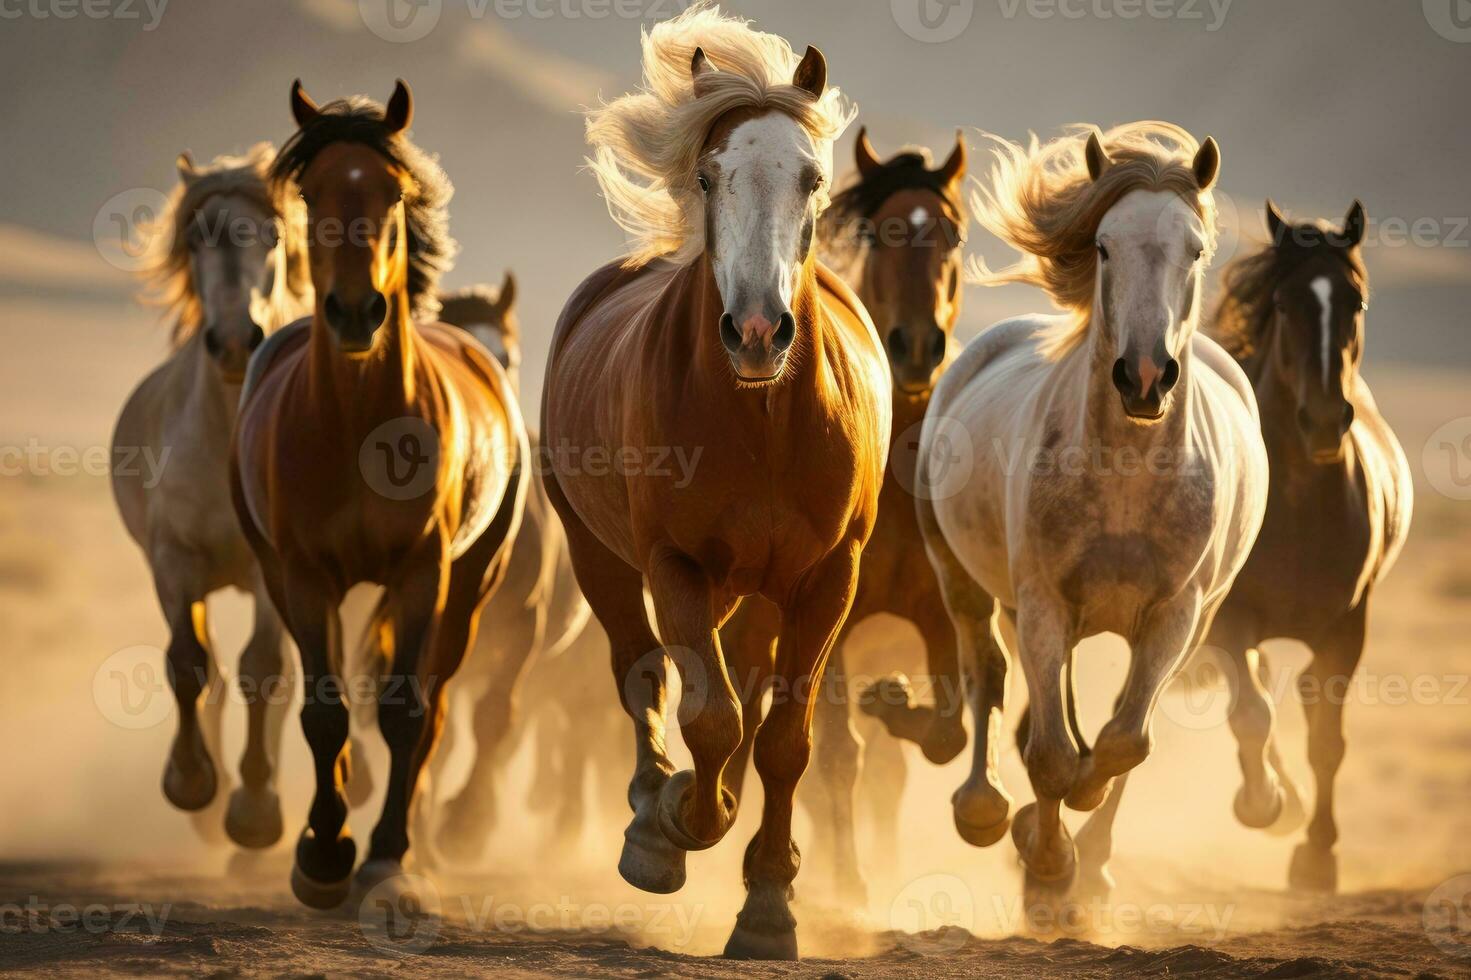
x=1256 y=812
x=887 y=697
x=672 y=796
x=1055 y=867
x=359 y=788
x=191 y=788
x=1313 y=869
x=253 y=818
x=1087 y=798
x=982 y=813
x=653 y=865
x=321 y=876
x=748 y=944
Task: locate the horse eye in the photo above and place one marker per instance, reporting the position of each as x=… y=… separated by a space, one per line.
x=704 y=182
x=1102 y=252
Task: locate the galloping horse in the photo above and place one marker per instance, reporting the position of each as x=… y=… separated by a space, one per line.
x=1098 y=471
x=1338 y=509
x=720 y=336
x=374 y=448
x=231 y=265
x=896 y=235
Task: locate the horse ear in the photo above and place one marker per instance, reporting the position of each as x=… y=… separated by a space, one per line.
x=1096 y=155
x=303 y=109
x=953 y=169
x=1354 y=225
x=811 y=74
x=506 y=301
x=1277 y=225
x=188 y=173
x=1207 y=163
x=868 y=161
x=400 y=111
x=700 y=64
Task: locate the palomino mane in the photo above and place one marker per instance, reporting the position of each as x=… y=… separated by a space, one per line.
x=168 y=279
x=646 y=144
x=1042 y=202
x=841 y=225
x=359 y=119
x=1248 y=284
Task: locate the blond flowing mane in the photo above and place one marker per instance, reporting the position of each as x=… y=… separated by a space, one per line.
x=646 y=144
x=1040 y=200
x=168 y=280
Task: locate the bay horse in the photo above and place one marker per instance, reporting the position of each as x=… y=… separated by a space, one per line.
x=374 y=445
x=1338 y=509
x=230 y=266
x=721 y=334
x=1099 y=471
x=896 y=235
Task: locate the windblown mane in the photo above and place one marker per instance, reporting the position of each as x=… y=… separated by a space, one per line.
x=168 y=279
x=359 y=119
x=840 y=229
x=478 y=304
x=1249 y=283
x=646 y=144
x=1041 y=201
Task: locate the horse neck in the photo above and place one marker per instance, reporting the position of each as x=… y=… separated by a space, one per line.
x=1103 y=419
x=386 y=376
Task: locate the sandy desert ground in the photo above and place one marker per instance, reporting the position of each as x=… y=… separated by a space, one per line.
x=98 y=873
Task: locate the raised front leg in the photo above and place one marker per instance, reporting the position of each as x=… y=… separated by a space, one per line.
x=1323 y=688
x=190 y=778
x=811 y=619
x=254 y=816
x=938 y=727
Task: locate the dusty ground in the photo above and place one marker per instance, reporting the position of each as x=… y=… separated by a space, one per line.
x=84 y=829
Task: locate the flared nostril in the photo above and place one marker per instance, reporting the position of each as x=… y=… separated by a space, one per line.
x=937 y=346
x=377 y=310
x=1170 y=376
x=786 y=332
x=730 y=337
x=898 y=344
x=332 y=309
x=1121 y=376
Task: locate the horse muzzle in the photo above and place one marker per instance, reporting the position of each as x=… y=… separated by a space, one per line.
x=230 y=348
x=757 y=347
x=355 y=321
x=1144 y=386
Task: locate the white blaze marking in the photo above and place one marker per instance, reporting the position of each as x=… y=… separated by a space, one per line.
x=919 y=217
x=1323 y=289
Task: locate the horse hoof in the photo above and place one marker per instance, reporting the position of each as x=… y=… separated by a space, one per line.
x=887 y=697
x=1055 y=868
x=1256 y=813
x=650 y=862
x=1313 y=869
x=672 y=795
x=982 y=813
x=315 y=894
x=1293 y=815
x=1087 y=799
x=748 y=944
x=1044 y=903
x=944 y=740
x=253 y=818
x=190 y=790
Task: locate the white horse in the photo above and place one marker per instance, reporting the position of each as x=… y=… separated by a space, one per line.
x=1111 y=475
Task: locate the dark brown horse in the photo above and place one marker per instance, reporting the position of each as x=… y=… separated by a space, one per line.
x=1338 y=509
x=724 y=337
x=373 y=448
x=897 y=235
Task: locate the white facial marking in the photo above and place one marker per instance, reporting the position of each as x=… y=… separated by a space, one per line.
x=760 y=206
x=356 y=173
x=1323 y=289
x=1152 y=239
x=919 y=217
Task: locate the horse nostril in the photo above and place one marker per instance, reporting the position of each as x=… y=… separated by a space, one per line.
x=332 y=308
x=937 y=346
x=898 y=344
x=786 y=332
x=1170 y=376
x=257 y=336
x=376 y=310
x=729 y=335
x=212 y=342
x=1121 y=376
x=1348 y=415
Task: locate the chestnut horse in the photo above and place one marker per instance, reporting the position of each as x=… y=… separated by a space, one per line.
x=1097 y=472
x=1338 y=509
x=896 y=235
x=228 y=242
x=371 y=448
x=720 y=336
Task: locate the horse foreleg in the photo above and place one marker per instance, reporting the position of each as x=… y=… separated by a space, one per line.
x=254 y=816
x=1323 y=689
x=1261 y=800
x=765 y=928
x=695 y=809
x=189 y=779
x=1125 y=741
x=748 y=643
x=839 y=764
